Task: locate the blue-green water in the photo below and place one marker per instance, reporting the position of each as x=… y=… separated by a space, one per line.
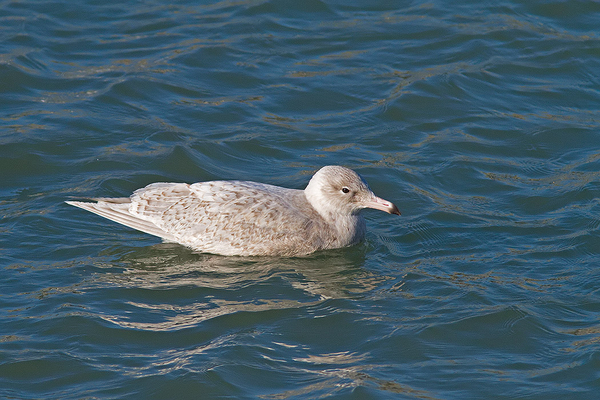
x=480 y=120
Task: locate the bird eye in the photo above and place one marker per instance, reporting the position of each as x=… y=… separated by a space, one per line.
x=345 y=190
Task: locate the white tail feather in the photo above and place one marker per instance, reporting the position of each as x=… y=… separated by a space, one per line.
x=119 y=212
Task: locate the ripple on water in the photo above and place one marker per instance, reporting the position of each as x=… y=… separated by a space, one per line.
x=478 y=120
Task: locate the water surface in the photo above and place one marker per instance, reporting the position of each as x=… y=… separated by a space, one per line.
x=480 y=120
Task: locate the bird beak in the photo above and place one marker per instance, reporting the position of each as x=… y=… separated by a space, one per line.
x=383 y=205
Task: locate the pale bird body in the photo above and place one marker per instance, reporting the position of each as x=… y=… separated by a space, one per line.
x=249 y=218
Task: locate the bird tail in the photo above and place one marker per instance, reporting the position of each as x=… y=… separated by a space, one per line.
x=117 y=210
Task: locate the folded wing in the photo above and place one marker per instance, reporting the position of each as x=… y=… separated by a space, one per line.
x=225 y=217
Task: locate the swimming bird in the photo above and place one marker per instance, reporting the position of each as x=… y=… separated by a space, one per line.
x=246 y=218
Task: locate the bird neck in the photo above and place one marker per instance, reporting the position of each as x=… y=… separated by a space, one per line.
x=349 y=227
x=319 y=202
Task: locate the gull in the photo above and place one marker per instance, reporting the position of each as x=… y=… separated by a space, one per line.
x=243 y=218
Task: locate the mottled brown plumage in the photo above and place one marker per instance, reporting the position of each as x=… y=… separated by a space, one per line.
x=248 y=218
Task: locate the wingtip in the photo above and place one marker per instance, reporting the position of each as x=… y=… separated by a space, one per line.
x=86 y=205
